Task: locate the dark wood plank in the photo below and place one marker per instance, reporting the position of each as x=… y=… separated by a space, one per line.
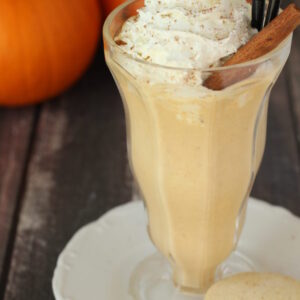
x=15 y=130
x=293 y=72
x=78 y=171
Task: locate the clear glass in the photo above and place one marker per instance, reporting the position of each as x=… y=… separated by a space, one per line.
x=194 y=153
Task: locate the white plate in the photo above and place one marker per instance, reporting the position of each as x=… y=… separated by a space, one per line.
x=97 y=262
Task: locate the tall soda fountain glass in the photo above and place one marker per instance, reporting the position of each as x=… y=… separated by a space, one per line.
x=194 y=153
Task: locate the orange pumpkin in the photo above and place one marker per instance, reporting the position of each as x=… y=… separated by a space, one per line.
x=109 y=5
x=45 y=45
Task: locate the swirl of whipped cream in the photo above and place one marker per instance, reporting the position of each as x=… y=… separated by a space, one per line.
x=187 y=33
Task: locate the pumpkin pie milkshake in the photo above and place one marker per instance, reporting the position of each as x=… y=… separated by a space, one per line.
x=193 y=151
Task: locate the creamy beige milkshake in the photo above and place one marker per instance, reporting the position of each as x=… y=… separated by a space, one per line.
x=194 y=152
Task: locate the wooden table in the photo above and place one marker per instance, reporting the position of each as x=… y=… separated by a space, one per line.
x=63 y=164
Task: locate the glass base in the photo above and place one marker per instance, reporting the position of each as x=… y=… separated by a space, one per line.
x=152 y=278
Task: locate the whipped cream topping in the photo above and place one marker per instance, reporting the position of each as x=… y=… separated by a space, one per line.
x=187 y=33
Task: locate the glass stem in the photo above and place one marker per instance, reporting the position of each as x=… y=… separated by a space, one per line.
x=194 y=282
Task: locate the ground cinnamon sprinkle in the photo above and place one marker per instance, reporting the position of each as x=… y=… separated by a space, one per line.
x=120 y=43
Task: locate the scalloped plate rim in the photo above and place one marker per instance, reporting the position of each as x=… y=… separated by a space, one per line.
x=127 y=207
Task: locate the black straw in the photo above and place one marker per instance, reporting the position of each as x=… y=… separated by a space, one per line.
x=272 y=12
x=258 y=11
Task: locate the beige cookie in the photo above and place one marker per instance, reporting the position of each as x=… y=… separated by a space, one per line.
x=255 y=286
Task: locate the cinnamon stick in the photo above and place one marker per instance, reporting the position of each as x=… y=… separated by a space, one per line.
x=262 y=43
